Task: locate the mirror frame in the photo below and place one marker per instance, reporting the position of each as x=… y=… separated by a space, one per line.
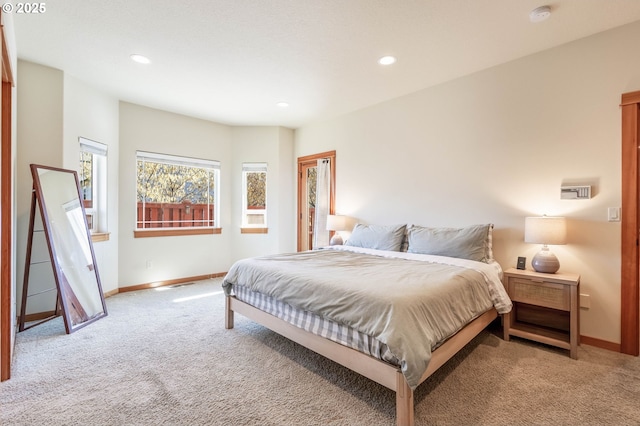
x=67 y=299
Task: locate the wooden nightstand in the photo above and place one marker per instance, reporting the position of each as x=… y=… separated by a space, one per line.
x=545 y=308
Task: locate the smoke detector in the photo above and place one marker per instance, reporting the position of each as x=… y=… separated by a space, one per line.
x=539 y=14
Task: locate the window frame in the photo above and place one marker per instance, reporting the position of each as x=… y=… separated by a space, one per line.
x=96 y=210
x=180 y=160
x=254 y=228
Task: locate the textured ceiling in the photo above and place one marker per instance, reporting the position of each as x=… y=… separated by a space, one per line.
x=231 y=61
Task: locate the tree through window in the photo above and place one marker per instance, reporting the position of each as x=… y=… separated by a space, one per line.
x=254 y=195
x=176 y=191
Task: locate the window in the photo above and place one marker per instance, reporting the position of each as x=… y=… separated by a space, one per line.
x=92 y=175
x=254 y=195
x=176 y=192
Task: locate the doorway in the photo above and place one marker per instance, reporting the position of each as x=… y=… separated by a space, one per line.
x=307 y=179
x=630 y=225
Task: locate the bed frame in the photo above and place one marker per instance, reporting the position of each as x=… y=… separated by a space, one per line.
x=379 y=371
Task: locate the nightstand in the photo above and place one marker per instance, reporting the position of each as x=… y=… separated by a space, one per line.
x=545 y=308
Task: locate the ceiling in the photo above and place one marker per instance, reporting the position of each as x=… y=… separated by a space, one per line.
x=231 y=61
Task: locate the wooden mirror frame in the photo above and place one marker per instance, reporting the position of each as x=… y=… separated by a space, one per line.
x=80 y=298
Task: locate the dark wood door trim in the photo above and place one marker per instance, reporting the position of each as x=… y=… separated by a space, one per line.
x=630 y=264
x=6 y=213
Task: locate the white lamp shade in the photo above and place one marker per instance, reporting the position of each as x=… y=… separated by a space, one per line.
x=545 y=230
x=338 y=223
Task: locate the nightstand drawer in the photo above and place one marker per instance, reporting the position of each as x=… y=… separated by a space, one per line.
x=545 y=294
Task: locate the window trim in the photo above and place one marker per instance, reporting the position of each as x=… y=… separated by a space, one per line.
x=98 y=237
x=180 y=160
x=246 y=227
x=254 y=230
x=174 y=232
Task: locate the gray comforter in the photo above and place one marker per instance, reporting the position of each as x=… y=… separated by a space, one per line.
x=412 y=303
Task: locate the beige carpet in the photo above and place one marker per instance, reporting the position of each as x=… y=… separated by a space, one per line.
x=164 y=358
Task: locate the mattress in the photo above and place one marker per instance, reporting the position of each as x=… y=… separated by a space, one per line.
x=411 y=303
x=317 y=325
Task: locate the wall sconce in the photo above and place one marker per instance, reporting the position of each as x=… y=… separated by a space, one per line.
x=338 y=223
x=547 y=231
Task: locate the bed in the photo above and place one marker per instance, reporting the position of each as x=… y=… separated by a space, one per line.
x=393 y=304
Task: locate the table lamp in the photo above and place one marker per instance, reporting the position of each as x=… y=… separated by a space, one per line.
x=547 y=231
x=337 y=223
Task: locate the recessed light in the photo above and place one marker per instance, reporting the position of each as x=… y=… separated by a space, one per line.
x=282 y=104
x=539 y=14
x=141 y=59
x=387 y=60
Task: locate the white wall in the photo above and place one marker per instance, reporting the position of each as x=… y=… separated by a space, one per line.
x=39 y=133
x=92 y=114
x=287 y=189
x=175 y=257
x=274 y=146
x=495 y=147
x=64 y=108
x=67 y=108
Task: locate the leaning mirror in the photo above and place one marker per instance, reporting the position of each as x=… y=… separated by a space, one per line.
x=80 y=296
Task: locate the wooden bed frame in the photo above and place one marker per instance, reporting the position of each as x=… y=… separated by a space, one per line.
x=379 y=371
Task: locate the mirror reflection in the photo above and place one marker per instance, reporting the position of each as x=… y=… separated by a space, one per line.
x=70 y=246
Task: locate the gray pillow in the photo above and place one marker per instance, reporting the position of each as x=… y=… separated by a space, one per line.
x=472 y=242
x=379 y=237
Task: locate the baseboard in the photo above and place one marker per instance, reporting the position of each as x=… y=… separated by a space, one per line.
x=598 y=343
x=111 y=293
x=167 y=282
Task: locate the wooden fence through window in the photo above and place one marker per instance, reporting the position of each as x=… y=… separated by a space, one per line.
x=168 y=215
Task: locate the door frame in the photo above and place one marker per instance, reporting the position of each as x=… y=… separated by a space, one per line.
x=6 y=213
x=307 y=161
x=630 y=262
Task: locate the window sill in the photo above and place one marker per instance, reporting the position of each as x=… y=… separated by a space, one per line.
x=254 y=230
x=97 y=237
x=168 y=232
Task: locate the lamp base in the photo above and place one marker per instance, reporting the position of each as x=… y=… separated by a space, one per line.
x=336 y=240
x=545 y=261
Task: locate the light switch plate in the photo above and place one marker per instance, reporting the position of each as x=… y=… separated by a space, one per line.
x=613 y=214
x=585 y=301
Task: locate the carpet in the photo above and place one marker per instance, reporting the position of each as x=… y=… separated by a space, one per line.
x=163 y=357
